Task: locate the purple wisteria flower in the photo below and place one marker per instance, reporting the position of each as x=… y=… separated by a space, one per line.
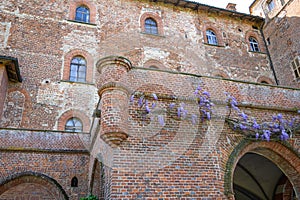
x=161 y=120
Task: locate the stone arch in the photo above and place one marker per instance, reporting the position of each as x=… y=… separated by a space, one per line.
x=74 y=113
x=31 y=185
x=97 y=183
x=154 y=64
x=279 y=153
x=220 y=73
x=89 y=64
x=264 y=79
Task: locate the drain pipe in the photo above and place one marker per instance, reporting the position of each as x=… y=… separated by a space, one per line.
x=268 y=52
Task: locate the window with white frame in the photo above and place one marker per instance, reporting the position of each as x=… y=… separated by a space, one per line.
x=73 y=125
x=211 y=37
x=296 y=68
x=253 y=44
x=78 y=69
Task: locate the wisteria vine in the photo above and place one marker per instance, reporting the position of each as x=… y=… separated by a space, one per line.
x=277 y=128
x=202 y=98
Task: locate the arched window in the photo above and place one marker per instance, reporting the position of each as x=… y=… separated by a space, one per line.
x=211 y=37
x=73 y=125
x=151 y=26
x=82 y=14
x=253 y=44
x=74 y=182
x=78 y=69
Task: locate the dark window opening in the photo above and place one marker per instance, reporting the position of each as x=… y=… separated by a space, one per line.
x=74 y=182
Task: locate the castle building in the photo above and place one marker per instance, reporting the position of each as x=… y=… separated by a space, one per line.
x=149 y=99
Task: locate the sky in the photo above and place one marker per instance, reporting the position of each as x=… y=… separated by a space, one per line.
x=241 y=5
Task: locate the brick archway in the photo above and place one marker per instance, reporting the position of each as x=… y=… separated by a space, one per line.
x=279 y=153
x=30 y=185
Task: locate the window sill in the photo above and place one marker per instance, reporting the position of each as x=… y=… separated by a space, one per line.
x=259 y=52
x=83 y=23
x=214 y=45
x=74 y=82
x=156 y=35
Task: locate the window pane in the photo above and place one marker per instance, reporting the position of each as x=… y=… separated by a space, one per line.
x=297 y=62
x=73 y=125
x=296 y=74
x=211 y=37
x=82 y=14
x=151 y=26
x=78 y=69
x=253 y=44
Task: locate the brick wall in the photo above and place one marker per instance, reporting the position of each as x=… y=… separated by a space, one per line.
x=171 y=161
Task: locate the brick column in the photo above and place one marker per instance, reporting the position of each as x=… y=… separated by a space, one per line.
x=114 y=99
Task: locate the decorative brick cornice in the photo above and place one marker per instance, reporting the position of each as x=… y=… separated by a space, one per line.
x=113 y=60
x=113 y=86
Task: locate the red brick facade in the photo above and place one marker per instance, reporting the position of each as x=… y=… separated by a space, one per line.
x=124 y=153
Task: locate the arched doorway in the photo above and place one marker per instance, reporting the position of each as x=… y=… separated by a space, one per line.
x=29 y=186
x=256 y=177
x=262 y=170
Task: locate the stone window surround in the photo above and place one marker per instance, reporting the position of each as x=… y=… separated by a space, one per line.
x=155 y=17
x=86 y=3
x=67 y=64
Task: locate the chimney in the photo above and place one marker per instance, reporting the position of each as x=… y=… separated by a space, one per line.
x=231 y=6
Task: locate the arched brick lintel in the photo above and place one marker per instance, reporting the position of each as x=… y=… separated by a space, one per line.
x=280 y=153
x=73 y=113
x=32 y=177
